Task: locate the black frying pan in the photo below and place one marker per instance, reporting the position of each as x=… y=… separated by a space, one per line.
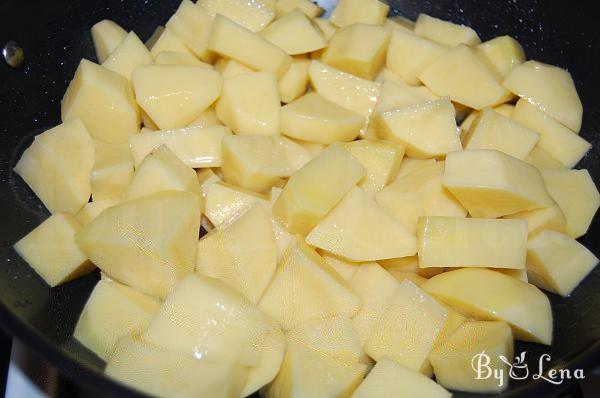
x=55 y=36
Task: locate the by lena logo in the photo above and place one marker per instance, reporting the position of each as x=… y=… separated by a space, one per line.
x=519 y=370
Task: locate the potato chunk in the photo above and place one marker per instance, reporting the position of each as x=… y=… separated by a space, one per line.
x=346 y=90
x=172 y=95
x=306 y=288
x=426 y=130
x=316 y=188
x=408 y=328
x=130 y=54
x=453 y=361
x=558 y=263
x=491 y=184
x=294 y=82
x=258 y=162
x=57 y=167
x=270 y=361
x=577 y=195
x=460 y=74
x=253 y=15
x=491 y=130
x=179 y=58
x=231 y=40
x=107 y=35
x=225 y=203
x=397 y=94
x=295 y=34
x=348 y=12
x=195 y=146
x=380 y=159
x=547 y=218
x=484 y=294
x=471 y=242
x=555 y=139
x=169 y=41
x=91 y=210
x=504 y=53
x=389 y=379
x=550 y=89
x=359 y=49
x=250 y=104
x=113 y=311
x=360 y=230
x=313 y=118
x=104 y=102
x=113 y=170
x=409 y=54
x=445 y=32
x=117 y=240
x=51 y=251
x=192 y=25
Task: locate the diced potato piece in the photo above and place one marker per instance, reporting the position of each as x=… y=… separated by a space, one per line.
x=547 y=218
x=520 y=274
x=117 y=241
x=558 y=263
x=231 y=40
x=258 y=162
x=399 y=23
x=409 y=265
x=327 y=28
x=165 y=373
x=253 y=15
x=542 y=160
x=490 y=183
x=409 y=54
x=271 y=358
x=489 y=295
x=414 y=278
x=343 y=267
x=346 y=90
x=294 y=82
x=320 y=361
x=381 y=160
x=225 y=203
x=310 y=9
x=229 y=68
x=113 y=170
x=179 y=58
x=471 y=242
x=294 y=33
x=348 y=12
x=550 y=89
x=360 y=230
x=194 y=146
x=397 y=94
x=51 y=251
x=206 y=118
x=316 y=188
x=426 y=130
x=207 y=319
x=504 y=53
x=192 y=25
x=462 y=75
x=390 y=379
x=306 y=288
x=313 y=118
x=491 y=130
x=408 y=328
x=104 y=102
x=419 y=194
x=409 y=165
x=359 y=49
x=454 y=320
x=169 y=41
x=577 y=195
x=560 y=142
x=107 y=35
x=206 y=178
x=91 y=210
x=376 y=288
x=249 y=104
x=130 y=54
x=57 y=167
x=113 y=311
x=242 y=255
x=445 y=32
x=455 y=360
x=162 y=170
x=174 y=95
x=465 y=125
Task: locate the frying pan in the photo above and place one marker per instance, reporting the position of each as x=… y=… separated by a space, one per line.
x=55 y=36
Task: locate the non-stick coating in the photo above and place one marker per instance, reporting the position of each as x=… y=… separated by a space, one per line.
x=55 y=36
